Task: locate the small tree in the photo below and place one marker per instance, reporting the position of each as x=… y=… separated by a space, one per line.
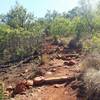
x=18 y=17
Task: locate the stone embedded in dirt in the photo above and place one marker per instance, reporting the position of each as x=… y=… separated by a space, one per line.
x=49 y=73
x=50 y=64
x=78 y=59
x=53 y=70
x=72 y=62
x=57 y=86
x=29 y=82
x=12 y=99
x=66 y=62
x=59 y=56
x=68 y=58
x=73 y=57
x=22 y=74
x=39 y=90
x=38 y=80
x=66 y=92
x=9 y=88
x=31 y=94
x=26 y=70
x=6 y=93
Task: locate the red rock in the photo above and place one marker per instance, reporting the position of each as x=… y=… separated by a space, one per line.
x=20 y=88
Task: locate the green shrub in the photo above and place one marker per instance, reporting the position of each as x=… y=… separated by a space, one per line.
x=59 y=26
x=17 y=43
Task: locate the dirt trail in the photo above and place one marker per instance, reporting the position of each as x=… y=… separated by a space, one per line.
x=53 y=68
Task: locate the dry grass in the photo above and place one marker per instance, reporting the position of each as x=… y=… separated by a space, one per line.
x=91 y=77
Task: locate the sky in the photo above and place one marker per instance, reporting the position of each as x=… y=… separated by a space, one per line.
x=39 y=7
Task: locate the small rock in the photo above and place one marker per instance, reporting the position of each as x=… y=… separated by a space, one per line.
x=30 y=87
x=9 y=88
x=31 y=94
x=69 y=58
x=26 y=70
x=29 y=82
x=73 y=57
x=12 y=99
x=38 y=80
x=56 y=86
x=72 y=62
x=59 y=56
x=66 y=67
x=50 y=64
x=66 y=92
x=53 y=70
x=66 y=63
x=6 y=93
x=39 y=90
x=22 y=74
x=49 y=73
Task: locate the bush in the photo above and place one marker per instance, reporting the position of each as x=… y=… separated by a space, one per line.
x=16 y=44
x=59 y=26
x=91 y=77
x=75 y=45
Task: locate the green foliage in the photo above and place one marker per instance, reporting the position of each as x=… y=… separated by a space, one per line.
x=16 y=43
x=59 y=26
x=21 y=33
x=97 y=22
x=1 y=91
x=93 y=44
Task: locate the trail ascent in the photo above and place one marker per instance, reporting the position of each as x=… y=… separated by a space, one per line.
x=56 y=79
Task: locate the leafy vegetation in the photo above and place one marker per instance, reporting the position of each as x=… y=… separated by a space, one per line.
x=21 y=33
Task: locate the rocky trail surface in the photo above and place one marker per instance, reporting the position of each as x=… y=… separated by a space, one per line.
x=57 y=64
